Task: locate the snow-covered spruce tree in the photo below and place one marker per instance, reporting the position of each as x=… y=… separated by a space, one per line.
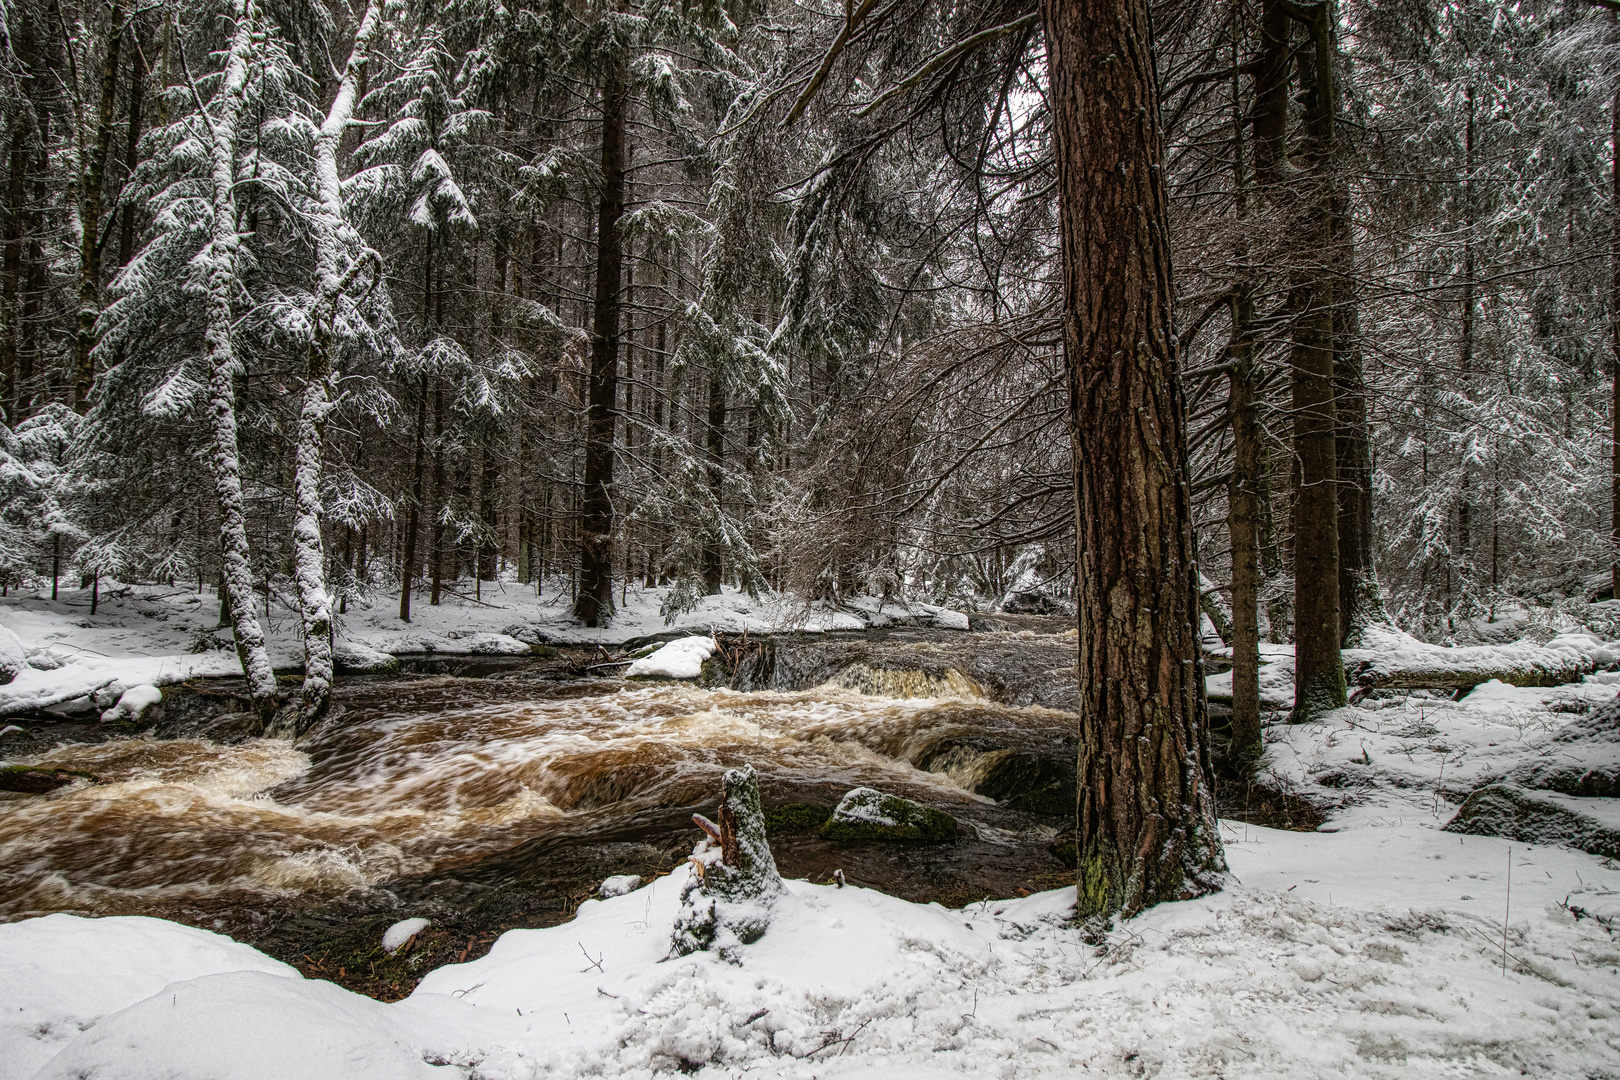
x=192 y=269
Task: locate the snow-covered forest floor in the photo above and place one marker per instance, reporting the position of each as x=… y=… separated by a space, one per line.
x=1373 y=947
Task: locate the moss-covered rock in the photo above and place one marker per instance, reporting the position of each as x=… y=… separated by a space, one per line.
x=544 y=652
x=868 y=814
x=35 y=781
x=792 y=818
x=1540 y=817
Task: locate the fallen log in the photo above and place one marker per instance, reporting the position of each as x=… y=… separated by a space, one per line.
x=1396 y=661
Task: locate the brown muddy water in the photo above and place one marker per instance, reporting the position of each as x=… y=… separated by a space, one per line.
x=491 y=795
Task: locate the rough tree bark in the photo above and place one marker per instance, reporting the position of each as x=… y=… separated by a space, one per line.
x=1318 y=666
x=1243 y=490
x=413 y=514
x=716 y=446
x=222 y=368
x=595 y=601
x=1146 y=828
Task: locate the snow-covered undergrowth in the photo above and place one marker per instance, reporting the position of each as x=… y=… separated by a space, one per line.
x=1346 y=954
x=151 y=635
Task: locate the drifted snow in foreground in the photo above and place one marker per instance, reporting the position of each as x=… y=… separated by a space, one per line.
x=1344 y=954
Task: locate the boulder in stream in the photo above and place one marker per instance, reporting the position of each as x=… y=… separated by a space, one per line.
x=29 y=780
x=728 y=900
x=869 y=814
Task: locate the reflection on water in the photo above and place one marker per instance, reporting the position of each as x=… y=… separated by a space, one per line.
x=414 y=774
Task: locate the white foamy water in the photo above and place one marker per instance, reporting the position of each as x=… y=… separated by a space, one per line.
x=387 y=792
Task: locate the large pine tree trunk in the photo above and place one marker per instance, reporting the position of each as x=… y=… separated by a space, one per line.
x=222 y=367
x=90 y=218
x=333 y=271
x=1243 y=490
x=594 y=604
x=1318 y=666
x=1146 y=829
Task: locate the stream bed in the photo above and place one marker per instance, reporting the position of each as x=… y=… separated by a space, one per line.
x=486 y=795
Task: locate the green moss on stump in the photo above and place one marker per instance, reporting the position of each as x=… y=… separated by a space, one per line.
x=865 y=814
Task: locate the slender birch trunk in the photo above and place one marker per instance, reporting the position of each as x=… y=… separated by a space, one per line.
x=222 y=368
x=332 y=277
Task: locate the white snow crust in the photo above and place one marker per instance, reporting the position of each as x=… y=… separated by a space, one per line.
x=397 y=935
x=133 y=703
x=680 y=659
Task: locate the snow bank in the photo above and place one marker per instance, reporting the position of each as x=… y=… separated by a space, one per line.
x=680 y=659
x=87 y=684
x=63 y=974
x=1370 y=952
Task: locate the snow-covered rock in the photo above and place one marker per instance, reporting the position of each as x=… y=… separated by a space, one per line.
x=134 y=704
x=1541 y=817
x=358 y=658
x=13 y=657
x=867 y=814
x=395 y=937
x=680 y=659
x=618 y=885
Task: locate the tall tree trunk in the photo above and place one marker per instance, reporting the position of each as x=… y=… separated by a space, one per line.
x=222 y=365
x=1146 y=828
x=90 y=218
x=335 y=267
x=715 y=437
x=1318 y=666
x=594 y=603
x=436 y=529
x=11 y=276
x=1614 y=344
x=1243 y=490
x=132 y=141
x=488 y=550
x=413 y=515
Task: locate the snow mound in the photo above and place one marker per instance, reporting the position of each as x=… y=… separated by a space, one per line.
x=395 y=937
x=358 y=658
x=134 y=703
x=64 y=974
x=13 y=657
x=680 y=659
x=248 y=1025
x=618 y=885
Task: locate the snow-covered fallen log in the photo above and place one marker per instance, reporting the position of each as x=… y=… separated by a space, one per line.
x=1390 y=659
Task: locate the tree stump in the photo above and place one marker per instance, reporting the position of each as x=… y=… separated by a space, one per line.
x=727 y=903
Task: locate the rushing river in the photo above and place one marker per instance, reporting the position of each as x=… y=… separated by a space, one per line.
x=450 y=790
